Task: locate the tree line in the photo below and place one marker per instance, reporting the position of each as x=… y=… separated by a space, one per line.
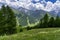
x=47 y=22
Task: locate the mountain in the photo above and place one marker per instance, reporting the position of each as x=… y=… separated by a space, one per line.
x=23 y=18
x=33 y=16
x=38 y=14
x=24 y=15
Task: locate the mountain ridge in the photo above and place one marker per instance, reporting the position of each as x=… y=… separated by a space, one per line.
x=33 y=15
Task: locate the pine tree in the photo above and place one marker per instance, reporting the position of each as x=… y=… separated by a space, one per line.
x=2 y=19
x=41 y=23
x=45 y=20
x=7 y=20
x=57 y=21
x=11 y=20
x=51 y=22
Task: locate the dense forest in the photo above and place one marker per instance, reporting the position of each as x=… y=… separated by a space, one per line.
x=8 y=21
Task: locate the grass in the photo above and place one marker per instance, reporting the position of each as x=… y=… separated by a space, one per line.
x=35 y=34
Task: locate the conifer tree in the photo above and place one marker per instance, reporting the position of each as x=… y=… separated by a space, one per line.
x=51 y=22
x=45 y=20
x=2 y=19
x=7 y=20
x=57 y=21
x=41 y=23
x=11 y=21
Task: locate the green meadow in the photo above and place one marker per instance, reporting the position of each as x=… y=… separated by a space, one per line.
x=35 y=34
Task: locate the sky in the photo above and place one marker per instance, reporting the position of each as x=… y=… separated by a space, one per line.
x=46 y=0
x=46 y=5
x=52 y=1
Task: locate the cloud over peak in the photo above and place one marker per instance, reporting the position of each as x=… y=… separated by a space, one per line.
x=39 y=5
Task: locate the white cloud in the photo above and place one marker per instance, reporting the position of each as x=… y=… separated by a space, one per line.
x=56 y=7
x=39 y=6
x=36 y=0
x=49 y=6
x=43 y=5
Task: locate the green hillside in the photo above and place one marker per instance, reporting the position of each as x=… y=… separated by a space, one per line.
x=35 y=34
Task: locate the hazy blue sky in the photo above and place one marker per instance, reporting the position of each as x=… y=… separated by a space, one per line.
x=51 y=0
x=34 y=1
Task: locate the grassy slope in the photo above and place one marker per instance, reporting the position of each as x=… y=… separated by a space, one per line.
x=35 y=34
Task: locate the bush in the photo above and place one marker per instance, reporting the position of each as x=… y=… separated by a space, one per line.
x=21 y=30
x=28 y=28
